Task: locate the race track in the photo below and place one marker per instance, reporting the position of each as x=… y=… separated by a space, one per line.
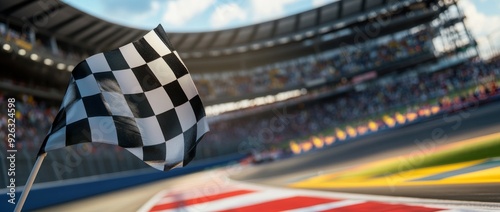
x=280 y=174
x=407 y=140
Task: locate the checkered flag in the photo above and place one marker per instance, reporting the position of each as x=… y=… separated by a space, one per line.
x=140 y=97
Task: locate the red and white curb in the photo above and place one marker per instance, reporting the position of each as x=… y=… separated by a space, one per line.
x=221 y=194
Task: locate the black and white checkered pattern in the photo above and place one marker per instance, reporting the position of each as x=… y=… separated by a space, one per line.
x=140 y=97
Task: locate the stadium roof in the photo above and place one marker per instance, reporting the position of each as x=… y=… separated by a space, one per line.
x=344 y=22
x=76 y=27
x=67 y=23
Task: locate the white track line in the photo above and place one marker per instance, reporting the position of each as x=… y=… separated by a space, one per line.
x=327 y=206
x=447 y=204
x=264 y=193
x=153 y=201
x=236 y=201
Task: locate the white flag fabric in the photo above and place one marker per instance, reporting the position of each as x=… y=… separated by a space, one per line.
x=140 y=97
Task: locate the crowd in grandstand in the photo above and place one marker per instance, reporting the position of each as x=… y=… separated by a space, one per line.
x=330 y=65
x=33 y=117
x=341 y=62
x=477 y=79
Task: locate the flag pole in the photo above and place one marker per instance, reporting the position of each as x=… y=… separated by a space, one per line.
x=30 y=181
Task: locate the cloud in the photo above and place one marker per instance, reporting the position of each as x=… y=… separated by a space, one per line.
x=131 y=6
x=148 y=15
x=480 y=25
x=269 y=9
x=133 y=11
x=319 y=3
x=179 y=12
x=477 y=22
x=227 y=13
x=142 y=14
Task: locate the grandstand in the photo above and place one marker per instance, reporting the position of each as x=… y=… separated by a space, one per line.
x=338 y=66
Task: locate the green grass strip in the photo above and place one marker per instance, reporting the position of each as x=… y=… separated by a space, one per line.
x=470 y=151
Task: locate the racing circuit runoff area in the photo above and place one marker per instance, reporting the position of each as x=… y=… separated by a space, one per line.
x=448 y=163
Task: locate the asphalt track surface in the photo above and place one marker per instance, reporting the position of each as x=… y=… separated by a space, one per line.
x=459 y=126
x=424 y=136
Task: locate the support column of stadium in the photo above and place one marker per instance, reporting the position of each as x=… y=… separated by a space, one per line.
x=429 y=27
x=469 y=34
x=452 y=30
x=29 y=182
x=440 y=33
x=454 y=35
x=317 y=50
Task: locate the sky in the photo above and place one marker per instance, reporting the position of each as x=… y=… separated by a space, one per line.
x=483 y=16
x=193 y=15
